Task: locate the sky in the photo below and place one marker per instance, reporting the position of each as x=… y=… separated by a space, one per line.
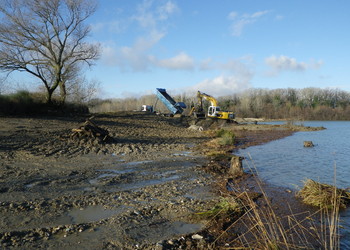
x=219 y=47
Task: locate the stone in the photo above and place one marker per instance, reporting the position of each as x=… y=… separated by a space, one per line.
x=308 y=144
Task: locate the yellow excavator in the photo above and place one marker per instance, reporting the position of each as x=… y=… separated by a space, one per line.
x=214 y=110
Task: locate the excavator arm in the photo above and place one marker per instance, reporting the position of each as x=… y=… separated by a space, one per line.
x=212 y=100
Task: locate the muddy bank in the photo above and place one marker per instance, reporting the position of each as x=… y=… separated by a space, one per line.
x=138 y=190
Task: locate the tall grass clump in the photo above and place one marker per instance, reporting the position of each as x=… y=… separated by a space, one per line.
x=329 y=199
x=323 y=195
x=225 y=137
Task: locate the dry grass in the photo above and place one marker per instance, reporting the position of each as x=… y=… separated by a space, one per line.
x=323 y=195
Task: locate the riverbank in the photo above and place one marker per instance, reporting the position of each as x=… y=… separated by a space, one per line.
x=139 y=189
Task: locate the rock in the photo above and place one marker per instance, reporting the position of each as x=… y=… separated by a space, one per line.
x=195 y=127
x=308 y=144
x=197 y=237
x=236 y=168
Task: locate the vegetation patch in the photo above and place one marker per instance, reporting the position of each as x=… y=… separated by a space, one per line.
x=225 y=207
x=323 y=195
x=26 y=103
x=226 y=137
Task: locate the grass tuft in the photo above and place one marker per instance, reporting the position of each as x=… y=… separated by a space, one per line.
x=226 y=137
x=224 y=207
x=323 y=195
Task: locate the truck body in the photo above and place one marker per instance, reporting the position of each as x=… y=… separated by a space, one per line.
x=173 y=106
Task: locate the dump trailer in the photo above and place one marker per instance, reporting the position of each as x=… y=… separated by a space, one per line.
x=173 y=106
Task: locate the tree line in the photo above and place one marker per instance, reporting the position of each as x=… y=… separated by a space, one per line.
x=289 y=103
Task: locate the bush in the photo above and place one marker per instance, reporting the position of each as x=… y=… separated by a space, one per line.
x=26 y=103
x=20 y=102
x=226 y=137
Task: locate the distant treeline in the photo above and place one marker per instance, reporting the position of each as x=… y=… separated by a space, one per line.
x=301 y=104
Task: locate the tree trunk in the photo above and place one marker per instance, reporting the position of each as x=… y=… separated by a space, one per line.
x=63 y=93
x=236 y=168
x=49 y=96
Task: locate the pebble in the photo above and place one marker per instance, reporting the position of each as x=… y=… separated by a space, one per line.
x=197 y=237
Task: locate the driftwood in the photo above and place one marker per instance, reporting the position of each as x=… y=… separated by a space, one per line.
x=90 y=130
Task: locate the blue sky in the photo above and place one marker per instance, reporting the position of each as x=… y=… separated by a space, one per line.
x=220 y=47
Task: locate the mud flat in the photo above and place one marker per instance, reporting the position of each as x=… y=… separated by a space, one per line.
x=137 y=190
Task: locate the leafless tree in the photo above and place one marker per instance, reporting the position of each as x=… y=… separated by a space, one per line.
x=46 y=39
x=82 y=90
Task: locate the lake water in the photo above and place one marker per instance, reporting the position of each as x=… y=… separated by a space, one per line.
x=287 y=163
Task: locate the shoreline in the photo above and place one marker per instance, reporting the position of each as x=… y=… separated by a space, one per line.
x=283 y=200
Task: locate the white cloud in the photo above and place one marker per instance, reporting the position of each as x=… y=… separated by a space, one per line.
x=116 y=26
x=239 y=22
x=222 y=85
x=135 y=57
x=181 y=61
x=149 y=16
x=164 y=11
x=284 y=63
x=206 y=64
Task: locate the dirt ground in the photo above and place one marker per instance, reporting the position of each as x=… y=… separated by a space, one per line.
x=139 y=189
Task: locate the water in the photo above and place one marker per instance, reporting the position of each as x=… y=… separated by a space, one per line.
x=287 y=163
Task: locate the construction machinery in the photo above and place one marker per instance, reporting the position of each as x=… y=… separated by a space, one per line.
x=214 y=110
x=147 y=108
x=173 y=106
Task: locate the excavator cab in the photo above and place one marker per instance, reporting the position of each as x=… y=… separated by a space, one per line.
x=213 y=111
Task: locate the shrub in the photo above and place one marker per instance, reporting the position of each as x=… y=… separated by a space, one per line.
x=226 y=137
x=26 y=103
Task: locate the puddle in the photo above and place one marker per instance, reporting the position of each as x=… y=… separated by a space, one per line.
x=88 y=215
x=96 y=180
x=119 y=171
x=134 y=163
x=110 y=173
x=164 y=230
x=145 y=183
x=183 y=153
x=30 y=185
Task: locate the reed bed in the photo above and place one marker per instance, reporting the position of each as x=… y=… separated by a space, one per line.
x=265 y=228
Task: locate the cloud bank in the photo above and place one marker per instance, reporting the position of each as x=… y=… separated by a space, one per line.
x=285 y=63
x=222 y=85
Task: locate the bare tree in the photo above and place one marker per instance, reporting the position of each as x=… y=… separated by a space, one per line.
x=46 y=39
x=82 y=90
